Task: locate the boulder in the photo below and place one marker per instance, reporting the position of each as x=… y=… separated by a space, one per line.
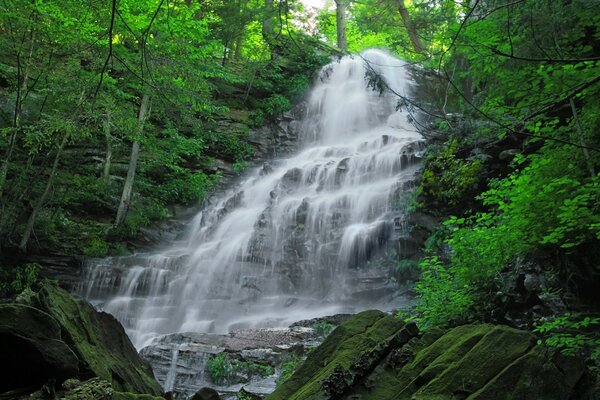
x=74 y=389
x=206 y=394
x=98 y=340
x=32 y=349
x=372 y=356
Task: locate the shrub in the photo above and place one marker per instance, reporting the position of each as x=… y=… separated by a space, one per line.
x=573 y=334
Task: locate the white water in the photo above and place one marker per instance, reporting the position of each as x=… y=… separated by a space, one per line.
x=290 y=243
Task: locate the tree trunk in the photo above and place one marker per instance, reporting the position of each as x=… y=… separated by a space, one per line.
x=135 y=152
x=267 y=25
x=586 y=154
x=239 y=42
x=108 y=158
x=4 y=171
x=22 y=89
x=340 y=19
x=40 y=203
x=410 y=27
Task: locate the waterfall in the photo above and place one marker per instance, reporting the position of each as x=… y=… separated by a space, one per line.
x=302 y=237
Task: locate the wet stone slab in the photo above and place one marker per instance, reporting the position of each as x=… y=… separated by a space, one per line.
x=251 y=359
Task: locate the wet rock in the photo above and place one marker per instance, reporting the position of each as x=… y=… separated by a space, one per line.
x=206 y=394
x=32 y=348
x=251 y=357
x=291 y=178
x=266 y=169
x=341 y=170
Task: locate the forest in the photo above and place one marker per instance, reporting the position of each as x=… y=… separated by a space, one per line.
x=117 y=116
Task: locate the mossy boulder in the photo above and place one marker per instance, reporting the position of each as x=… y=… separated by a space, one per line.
x=351 y=351
x=376 y=357
x=53 y=335
x=32 y=349
x=74 y=389
x=98 y=340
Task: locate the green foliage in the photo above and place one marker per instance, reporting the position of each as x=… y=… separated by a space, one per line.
x=96 y=247
x=447 y=177
x=20 y=278
x=549 y=201
x=26 y=277
x=275 y=105
x=243 y=395
x=573 y=334
x=323 y=329
x=218 y=367
x=193 y=60
x=287 y=369
x=407 y=269
x=224 y=369
x=444 y=294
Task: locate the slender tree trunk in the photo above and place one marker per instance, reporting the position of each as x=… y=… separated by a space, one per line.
x=107 y=160
x=584 y=149
x=267 y=25
x=340 y=20
x=135 y=152
x=239 y=42
x=22 y=86
x=4 y=171
x=410 y=27
x=40 y=203
x=225 y=52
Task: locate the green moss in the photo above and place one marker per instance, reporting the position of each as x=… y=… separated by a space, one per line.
x=93 y=389
x=500 y=346
x=338 y=353
x=99 y=342
x=521 y=378
x=133 y=396
x=473 y=362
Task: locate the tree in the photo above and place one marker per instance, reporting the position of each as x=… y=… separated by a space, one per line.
x=410 y=27
x=133 y=160
x=340 y=18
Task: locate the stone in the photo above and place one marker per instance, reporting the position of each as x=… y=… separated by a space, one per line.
x=98 y=340
x=349 y=352
x=507 y=155
x=206 y=394
x=93 y=389
x=377 y=357
x=32 y=349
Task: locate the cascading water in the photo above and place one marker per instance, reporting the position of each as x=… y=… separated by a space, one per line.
x=298 y=238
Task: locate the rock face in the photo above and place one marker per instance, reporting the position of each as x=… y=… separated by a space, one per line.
x=32 y=349
x=374 y=356
x=55 y=336
x=249 y=360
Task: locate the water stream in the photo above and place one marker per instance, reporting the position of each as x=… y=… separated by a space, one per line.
x=305 y=236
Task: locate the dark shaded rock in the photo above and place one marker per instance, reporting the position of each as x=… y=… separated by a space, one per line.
x=206 y=394
x=99 y=342
x=32 y=349
x=390 y=361
x=507 y=155
x=244 y=394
